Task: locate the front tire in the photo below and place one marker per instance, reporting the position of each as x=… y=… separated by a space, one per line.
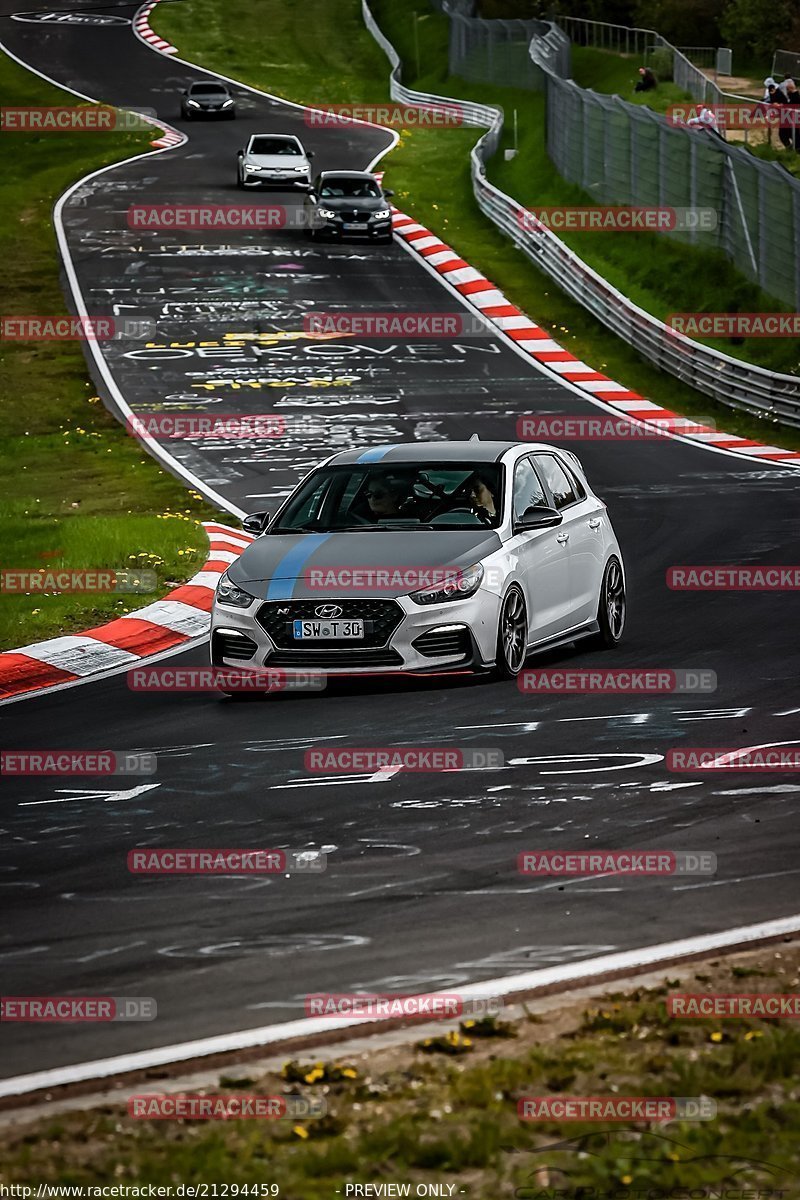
x=611 y=608
x=512 y=636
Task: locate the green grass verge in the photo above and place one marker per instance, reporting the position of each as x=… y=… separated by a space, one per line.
x=444 y=1110
x=617 y=75
x=321 y=54
x=77 y=492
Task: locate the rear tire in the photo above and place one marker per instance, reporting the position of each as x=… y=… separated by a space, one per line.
x=512 y=636
x=611 y=608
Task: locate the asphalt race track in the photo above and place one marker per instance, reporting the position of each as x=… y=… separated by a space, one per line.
x=421 y=890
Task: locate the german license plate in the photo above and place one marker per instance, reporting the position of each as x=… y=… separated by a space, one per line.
x=354 y=225
x=327 y=630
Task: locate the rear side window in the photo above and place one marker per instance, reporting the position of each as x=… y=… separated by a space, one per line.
x=563 y=488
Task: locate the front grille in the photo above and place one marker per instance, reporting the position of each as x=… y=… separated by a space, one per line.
x=354 y=215
x=442 y=642
x=324 y=658
x=381 y=618
x=227 y=644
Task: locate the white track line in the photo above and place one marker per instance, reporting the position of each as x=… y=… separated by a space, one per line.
x=630 y=961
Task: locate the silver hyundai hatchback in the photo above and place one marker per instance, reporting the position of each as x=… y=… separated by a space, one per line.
x=421 y=558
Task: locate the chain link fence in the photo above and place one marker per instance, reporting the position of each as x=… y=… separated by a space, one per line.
x=728 y=380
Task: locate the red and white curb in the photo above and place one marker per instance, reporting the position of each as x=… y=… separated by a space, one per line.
x=141 y=27
x=531 y=338
x=182 y=616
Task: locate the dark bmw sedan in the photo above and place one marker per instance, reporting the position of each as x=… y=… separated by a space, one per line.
x=207 y=99
x=344 y=204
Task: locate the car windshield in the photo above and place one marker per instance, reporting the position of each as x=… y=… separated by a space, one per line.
x=273 y=145
x=358 y=497
x=208 y=89
x=342 y=186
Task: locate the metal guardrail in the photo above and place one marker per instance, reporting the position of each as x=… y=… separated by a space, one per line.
x=729 y=380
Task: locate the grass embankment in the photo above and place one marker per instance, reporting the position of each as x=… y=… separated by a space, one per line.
x=615 y=74
x=444 y=1110
x=77 y=492
x=322 y=54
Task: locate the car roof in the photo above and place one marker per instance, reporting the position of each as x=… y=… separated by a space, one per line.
x=206 y=82
x=422 y=452
x=288 y=137
x=349 y=175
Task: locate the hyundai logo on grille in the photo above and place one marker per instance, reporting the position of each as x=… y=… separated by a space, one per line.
x=328 y=610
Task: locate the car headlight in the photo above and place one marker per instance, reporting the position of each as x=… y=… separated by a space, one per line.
x=193 y=103
x=327 y=214
x=458 y=587
x=227 y=103
x=228 y=593
x=382 y=214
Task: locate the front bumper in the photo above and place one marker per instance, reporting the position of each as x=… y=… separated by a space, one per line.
x=335 y=229
x=270 y=178
x=461 y=634
x=209 y=112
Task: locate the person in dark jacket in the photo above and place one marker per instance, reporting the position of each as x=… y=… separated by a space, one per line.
x=647 y=80
x=792 y=130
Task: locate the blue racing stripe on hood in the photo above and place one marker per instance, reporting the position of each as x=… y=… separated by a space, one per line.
x=281 y=586
x=375 y=454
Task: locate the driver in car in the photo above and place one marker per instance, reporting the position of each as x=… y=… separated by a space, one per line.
x=481 y=497
x=386 y=495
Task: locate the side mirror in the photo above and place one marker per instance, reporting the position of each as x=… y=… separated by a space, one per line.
x=312 y=197
x=255 y=523
x=539 y=516
x=388 y=192
x=309 y=154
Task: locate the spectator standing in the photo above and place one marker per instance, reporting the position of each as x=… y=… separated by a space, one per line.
x=792 y=130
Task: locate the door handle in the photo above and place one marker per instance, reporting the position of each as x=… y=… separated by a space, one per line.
x=595 y=523
x=562 y=538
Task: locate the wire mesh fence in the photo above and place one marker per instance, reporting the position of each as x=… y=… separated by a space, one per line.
x=732 y=381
